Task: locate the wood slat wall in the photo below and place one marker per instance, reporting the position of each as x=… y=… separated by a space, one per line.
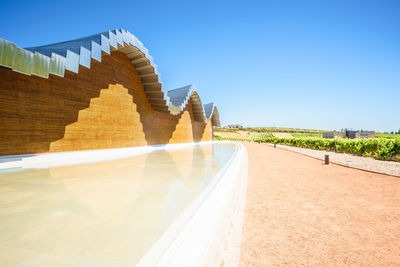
x=101 y=107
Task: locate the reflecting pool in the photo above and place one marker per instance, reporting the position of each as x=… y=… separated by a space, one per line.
x=104 y=213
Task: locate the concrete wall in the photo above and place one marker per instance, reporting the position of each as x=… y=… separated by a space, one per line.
x=349 y=134
x=334 y=134
x=370 y=134
x=101 y=107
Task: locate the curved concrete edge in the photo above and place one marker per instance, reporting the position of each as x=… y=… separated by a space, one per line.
x=233 y=236
x=208 y=233
x=56 y=159
x=70 y=55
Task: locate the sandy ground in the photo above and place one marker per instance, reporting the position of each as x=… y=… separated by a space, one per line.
x=302 y=212
x=238 y=134
x=282 y=135
x=364 y=163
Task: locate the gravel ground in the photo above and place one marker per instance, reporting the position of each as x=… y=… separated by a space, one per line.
x=363 y=163
x=301 y=212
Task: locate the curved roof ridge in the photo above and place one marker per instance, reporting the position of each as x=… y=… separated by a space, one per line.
x=211 y=112
x=209 y=109
x=69 y=55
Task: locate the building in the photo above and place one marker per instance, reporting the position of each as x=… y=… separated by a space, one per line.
x=96 y=92
x=233 y=126
x=334 y=134
x=349 y=134
x=358 y=134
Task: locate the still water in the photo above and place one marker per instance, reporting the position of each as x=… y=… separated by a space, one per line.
x=104 y=213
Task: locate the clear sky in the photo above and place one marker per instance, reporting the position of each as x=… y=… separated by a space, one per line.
x=307 y=64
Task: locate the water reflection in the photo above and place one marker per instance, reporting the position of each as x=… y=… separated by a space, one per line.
x=105 y=213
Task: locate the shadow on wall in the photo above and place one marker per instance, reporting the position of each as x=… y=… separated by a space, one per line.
x=101 y=107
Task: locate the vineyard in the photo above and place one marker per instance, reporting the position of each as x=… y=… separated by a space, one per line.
x=259 y=136
x=386 y=135
x=383 y=148
x=379 y=148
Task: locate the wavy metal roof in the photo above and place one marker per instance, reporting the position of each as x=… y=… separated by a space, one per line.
x=56 y=58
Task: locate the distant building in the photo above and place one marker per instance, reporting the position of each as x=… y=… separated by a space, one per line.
x=349 y=134
x=233 y=126
x=334 y=134
x=357 y=134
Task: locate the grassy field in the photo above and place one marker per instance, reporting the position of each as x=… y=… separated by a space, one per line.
x=383 y=146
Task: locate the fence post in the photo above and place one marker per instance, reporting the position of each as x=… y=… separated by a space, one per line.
x=327 y=159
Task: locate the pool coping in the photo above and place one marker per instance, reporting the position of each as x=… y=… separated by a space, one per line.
x=210 y=228
x=57 y=159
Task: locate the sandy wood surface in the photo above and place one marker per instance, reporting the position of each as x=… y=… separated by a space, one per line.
x=302 y=212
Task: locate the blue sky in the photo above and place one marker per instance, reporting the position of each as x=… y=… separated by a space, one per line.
x=307 y=64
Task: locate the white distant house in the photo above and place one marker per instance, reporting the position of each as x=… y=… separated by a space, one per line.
x=233 y=126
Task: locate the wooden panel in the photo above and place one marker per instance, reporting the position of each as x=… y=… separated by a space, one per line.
x=101 y=107
x=111 y=121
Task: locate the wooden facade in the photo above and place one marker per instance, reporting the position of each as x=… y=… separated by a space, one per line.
x=98 y=108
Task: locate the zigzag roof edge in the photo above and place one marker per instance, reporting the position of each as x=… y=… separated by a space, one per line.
x=69 y=55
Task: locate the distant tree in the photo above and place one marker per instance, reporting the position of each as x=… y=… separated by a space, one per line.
x=392 y=132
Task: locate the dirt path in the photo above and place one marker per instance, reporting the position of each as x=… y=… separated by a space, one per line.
x=359 y=162
x=301 y=212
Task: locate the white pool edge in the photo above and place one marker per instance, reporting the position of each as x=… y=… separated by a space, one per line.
x=208 y=233
x=56 y=159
